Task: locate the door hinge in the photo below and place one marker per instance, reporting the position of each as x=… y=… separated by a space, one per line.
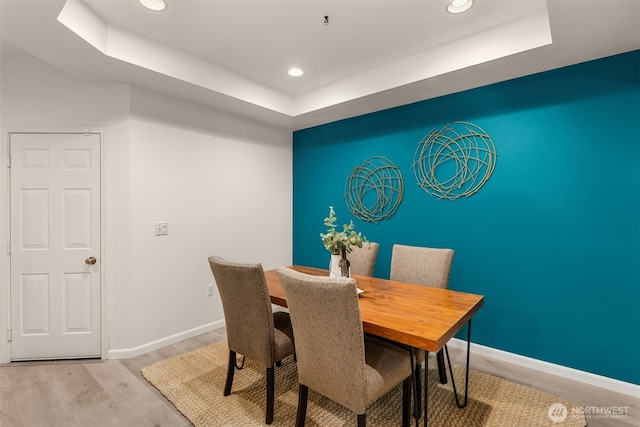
x=9 y=248
x=9 y=163
x=9 y=335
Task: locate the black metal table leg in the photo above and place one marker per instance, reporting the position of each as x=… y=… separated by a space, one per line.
x=426 y=387
x=466 y=381
x=416 y=405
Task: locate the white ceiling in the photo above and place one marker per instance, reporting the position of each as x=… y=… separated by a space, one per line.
x=373 y=54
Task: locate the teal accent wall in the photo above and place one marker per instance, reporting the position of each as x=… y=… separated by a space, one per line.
x=552 y=240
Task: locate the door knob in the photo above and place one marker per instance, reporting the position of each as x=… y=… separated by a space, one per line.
x=90 y=261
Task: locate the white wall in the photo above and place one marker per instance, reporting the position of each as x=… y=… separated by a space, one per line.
x=224 y=184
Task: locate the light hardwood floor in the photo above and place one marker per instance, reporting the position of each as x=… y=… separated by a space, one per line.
x=114 y=393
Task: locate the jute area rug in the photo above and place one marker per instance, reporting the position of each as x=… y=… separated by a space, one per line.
x=194 y=382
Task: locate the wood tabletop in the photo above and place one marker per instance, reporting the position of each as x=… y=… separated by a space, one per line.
x=419 y=316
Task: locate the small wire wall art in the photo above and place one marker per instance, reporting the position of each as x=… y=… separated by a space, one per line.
x=454 y=161
x=373 y=191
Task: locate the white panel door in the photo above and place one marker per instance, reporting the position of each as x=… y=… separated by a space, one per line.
x=55 y=246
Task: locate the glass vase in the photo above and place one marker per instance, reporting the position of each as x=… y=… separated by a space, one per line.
x=345 y=265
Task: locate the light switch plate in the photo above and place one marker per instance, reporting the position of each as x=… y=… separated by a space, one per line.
x=162 y=228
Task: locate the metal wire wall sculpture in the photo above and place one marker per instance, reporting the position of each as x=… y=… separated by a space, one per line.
x=374 y=189
x=454 y=161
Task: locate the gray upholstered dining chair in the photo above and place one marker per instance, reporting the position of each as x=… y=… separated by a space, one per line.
x=333 y=357
x=253 y=329
x=363 y=260
x=423 y=266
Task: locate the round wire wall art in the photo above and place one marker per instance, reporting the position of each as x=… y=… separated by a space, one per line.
x=454 y=161
x=374 y=189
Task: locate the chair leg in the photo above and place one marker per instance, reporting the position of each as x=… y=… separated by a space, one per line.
x=270 y=394
x=362 y=420
x=303 y=393
x=230 y=370
x=407 y=384
x=442 y=371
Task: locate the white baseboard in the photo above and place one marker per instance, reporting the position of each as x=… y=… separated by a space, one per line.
x=126 y=353
x=612 y=384
x=607 y=383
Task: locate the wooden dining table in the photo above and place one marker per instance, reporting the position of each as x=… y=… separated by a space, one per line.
x=418 y=316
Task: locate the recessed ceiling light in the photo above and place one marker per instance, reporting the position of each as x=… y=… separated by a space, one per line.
x=295 y=72
x=156 y=5
x=459 y=6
